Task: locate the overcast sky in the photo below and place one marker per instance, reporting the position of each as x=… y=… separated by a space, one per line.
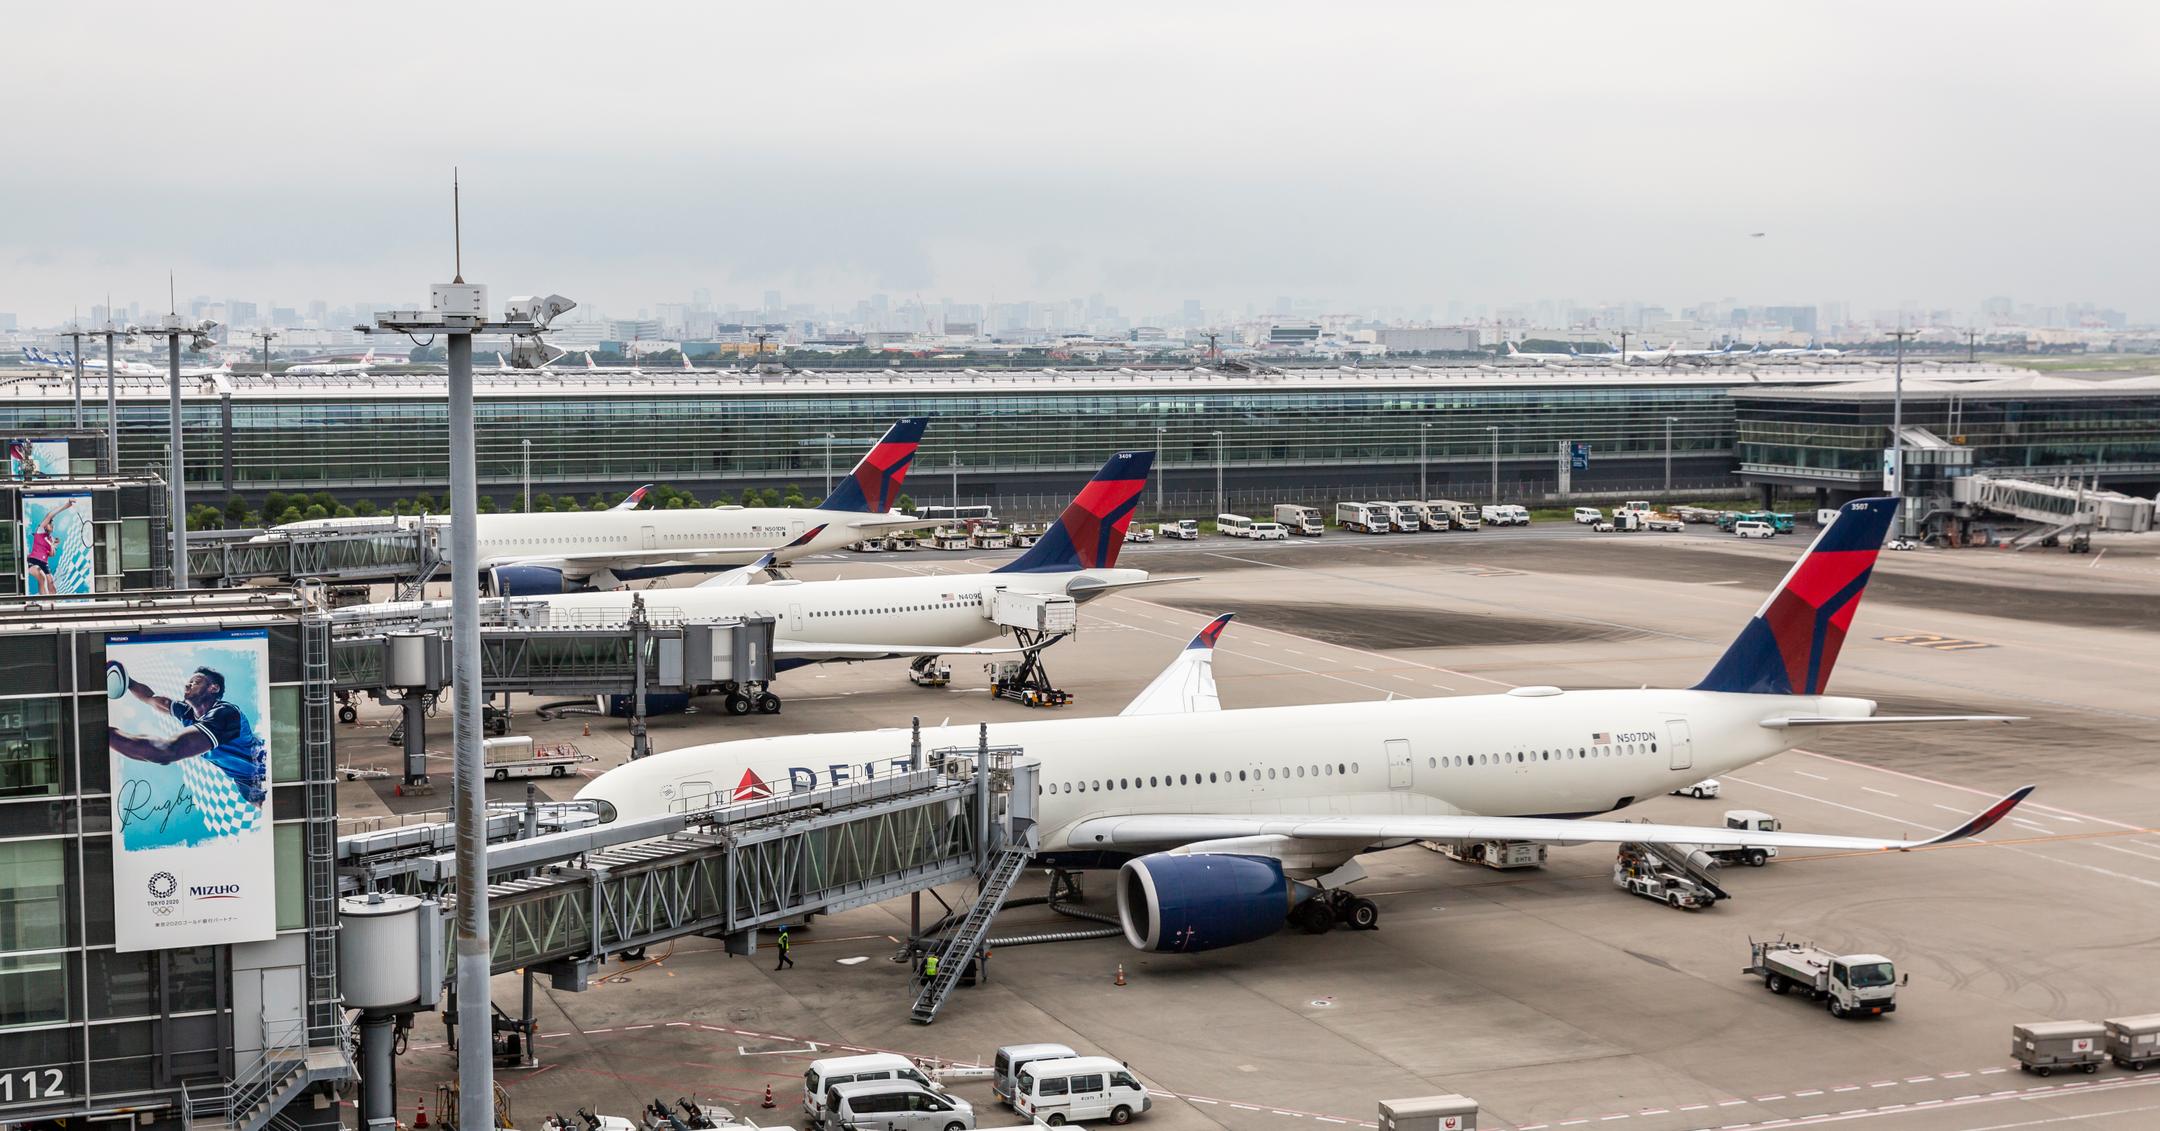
x=624 y=153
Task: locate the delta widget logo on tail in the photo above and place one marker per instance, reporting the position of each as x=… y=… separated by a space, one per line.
x=874 y=486
x=1096 y=518
x=1791 y=645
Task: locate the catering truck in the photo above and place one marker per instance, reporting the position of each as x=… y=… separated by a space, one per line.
x=1851 y=985
x=1363 y=518
x=1302 y=521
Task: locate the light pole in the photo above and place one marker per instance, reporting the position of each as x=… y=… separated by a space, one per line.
x=1424 y=434
x=457 y=310
x=172 y=330
x=1162 y=456
x=1669 y=421
x=1218 y=473
x=955 y=478
x=266 y=337
x=828 y=465
x=112 y=400
x=77 y=335
x=1897 y=429
x=1495 y=430
x=525 y=474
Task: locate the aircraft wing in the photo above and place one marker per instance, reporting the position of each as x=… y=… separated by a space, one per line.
x=818 y=653
x=1091 y=587
x=1167 y=830
x=890 y=522
x=1783 y=721
x=647 y=559
x=1188 y=684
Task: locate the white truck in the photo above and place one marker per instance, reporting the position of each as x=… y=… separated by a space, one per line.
x=1180 y=530
x=1437 y=515
x=1302 y=521
x=1464 y=515
x=1413 y=511
x=1362 y=518
x=1851 y=985
x=1504 y=514
x=1751 y=820
x=1397 y=521
x=1503 y=855
x=516 y=756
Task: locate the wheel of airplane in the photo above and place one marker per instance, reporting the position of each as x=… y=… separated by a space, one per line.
x=1314 y=917
x=738 y=703
x=348 y=715
x=768 y=704
x=1364 y=914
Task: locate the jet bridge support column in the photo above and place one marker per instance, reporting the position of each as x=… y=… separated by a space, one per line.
x=640 y=636
x=414 y=732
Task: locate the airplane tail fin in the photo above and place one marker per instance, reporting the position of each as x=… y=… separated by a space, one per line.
x=1790 y=645
x=1092 y=529
x=874 y=486
x=631 y=502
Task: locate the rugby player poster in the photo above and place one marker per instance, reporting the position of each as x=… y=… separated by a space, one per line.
x=193 y=853
x=57 y=545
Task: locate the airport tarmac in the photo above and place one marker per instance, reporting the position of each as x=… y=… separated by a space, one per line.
x=1549 y=996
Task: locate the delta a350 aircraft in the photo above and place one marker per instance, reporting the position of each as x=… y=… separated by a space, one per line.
x=1224 y=825
x=538 y=554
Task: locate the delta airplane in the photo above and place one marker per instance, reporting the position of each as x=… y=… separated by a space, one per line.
x=327 y=368
x=1225 y=825
x=539 y=554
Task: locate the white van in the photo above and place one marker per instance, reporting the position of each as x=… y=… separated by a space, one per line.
x=1268 y=532
x=1233 y=525
x=895 y=1105
x=823 y=1075
x=1754 y=530
x=1589 y=515
x=1079 y=1088
x=1011 y=1059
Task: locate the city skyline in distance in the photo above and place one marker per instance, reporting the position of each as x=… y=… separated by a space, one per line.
x=1379 y=156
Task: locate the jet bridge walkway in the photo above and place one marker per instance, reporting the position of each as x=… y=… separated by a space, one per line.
x=396 y=551
x=2054 y=509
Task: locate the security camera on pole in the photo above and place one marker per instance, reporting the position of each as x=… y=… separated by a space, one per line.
x=172 y=330
x=456 y=311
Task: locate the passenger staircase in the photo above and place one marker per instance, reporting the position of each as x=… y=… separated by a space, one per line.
x=1679 y=861
x=965 y=943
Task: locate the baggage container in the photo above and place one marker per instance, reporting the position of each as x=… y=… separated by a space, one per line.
x=2045 y=1047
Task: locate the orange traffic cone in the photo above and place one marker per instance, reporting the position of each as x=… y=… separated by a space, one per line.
x=768 y=1097
x=588 y=730
x=1120 y=975
x=420 y=1120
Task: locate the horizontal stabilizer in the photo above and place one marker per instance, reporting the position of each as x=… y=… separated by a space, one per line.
x=1783 y=721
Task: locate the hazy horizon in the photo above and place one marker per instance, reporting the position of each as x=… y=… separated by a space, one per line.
x=1361 y=154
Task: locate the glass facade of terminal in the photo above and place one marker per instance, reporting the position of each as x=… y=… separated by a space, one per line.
x=84 y=1027
x=1845 y=437
x=387 y=444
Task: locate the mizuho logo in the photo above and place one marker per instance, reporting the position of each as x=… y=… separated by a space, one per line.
x=214 y=891
x=163 y=884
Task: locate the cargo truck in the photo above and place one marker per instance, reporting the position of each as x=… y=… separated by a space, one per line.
x=1302 y=521
x=1463 y=515
x=1750 y=820
x=1181 y=530
x=517 y=757
x=1398 y=522
x=1362 y=518
x=1851 y=985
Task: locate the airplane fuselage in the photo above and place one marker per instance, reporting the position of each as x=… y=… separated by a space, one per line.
x=1532 y=752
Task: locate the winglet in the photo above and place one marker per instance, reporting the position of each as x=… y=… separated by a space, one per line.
x=1206 y=637
x=1982 y=823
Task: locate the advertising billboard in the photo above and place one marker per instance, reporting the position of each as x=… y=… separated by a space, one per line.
x=193 y=852
x=58 y=549
x=32 y=458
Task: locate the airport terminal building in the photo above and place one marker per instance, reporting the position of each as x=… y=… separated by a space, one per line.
x=1020 y=438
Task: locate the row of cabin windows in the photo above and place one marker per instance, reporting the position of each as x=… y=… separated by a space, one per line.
x=958 y=603
x=1097 y=786
x=1564 y=754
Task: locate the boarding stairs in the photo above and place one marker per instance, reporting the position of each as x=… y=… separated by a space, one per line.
x=965 y=943
x=1679 y=860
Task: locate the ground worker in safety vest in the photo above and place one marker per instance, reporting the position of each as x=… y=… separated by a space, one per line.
x=929 y=968
x=785 y=947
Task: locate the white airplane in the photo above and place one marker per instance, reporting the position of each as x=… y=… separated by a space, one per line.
x=1514 y=354
x=1226 y=824
x=539 y=554
x=1809 y=350
x=95 y=366
x=326 y=368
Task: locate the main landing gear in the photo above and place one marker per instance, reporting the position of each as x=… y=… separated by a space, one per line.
x=744 y=698
x=1320 y=914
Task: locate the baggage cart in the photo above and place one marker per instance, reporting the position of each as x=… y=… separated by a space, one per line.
x=2134 y=1042
x=2045 y=1047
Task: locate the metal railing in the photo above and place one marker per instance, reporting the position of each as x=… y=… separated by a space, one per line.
x=239 y=1102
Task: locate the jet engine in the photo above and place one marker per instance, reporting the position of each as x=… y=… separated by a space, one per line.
x=1202 y=901
x=532 y=581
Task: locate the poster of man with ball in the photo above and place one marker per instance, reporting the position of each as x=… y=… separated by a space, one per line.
x=188 y=724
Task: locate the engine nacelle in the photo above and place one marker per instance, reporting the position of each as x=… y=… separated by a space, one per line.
x=532 y=581
x=1185 y=903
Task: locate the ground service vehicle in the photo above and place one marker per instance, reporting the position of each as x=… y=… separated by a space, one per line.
x=1708 y=787
x=1233 y=525
x=1702 y=514
x=1139 y=534
x=1658 y=521
x=1624 y=521
x=1410 y=510
x=1587 y=515
x=1005 y=1074
x=1183 y=530
x=1781 y=522
x=1079 y=1088
x=1642 y=870
x=2134 y=1042
x=1398 y=521
x=2042 y=1047
x=1362 y=518
x=1268 y=532
x=1464 y=515
x=1633 y=506
x=895 y=1105
x=823 y=1075
x=1498 y=854
x=1493 y=514
x=1751 y=529
x=1302 y=521
x=1752 y=820
x=517 y=757
x=1513 y=514
x=1851 y=985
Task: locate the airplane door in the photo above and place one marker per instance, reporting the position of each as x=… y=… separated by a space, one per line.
x=650 y=542
x=795 y=530
x=1683 y=744
x=794 y=613
x=1398 y=763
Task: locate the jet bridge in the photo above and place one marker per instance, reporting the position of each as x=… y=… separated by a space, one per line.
x=2053 y=509
x=394 y=550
